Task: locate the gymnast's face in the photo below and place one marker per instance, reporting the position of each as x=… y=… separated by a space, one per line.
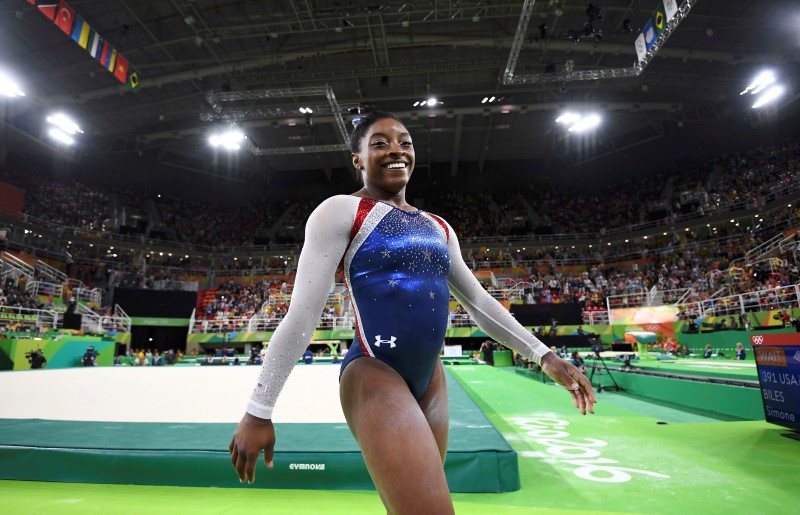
x=386 y=158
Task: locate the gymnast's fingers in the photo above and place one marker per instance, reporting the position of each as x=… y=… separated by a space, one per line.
x=234 y=452
x=250 y=467
x=268 y=454
x=241 y=462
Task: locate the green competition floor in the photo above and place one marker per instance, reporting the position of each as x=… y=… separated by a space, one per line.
x=631 y=457
x=722 y=368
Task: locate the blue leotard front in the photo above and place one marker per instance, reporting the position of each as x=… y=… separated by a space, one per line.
x=396 y=269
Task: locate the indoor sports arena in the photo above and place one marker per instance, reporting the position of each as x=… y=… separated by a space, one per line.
x=430 y=257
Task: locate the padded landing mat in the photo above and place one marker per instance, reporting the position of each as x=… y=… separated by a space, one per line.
x=318 y=456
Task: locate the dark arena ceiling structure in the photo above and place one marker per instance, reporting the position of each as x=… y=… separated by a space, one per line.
x=202 y=65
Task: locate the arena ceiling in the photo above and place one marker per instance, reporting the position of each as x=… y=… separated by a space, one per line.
x=264 y=60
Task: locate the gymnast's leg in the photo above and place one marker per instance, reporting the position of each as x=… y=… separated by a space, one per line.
x=436 y=408
x=401 y=452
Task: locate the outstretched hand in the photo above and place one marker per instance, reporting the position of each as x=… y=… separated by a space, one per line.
x=251 y=437
x=568 y=376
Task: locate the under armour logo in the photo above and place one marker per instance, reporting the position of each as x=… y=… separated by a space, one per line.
x=391 y=343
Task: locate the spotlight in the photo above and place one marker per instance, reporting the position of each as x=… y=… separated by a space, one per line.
x=229 y=139
x=761 y=81
x=432 y=101
x=306 y=110
x=485 y=99
x=64 y=123
x=586 y=123
x=568 y=118
x=769 y=96
x=8 y=87
x=576 y=122
x=58 y=135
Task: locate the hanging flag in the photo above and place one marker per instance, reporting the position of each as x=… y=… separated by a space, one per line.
x=102 y=54
x=112 y=58
x=95 y=44
x=75 y=27
x=659 y=20
x=133 y=80
x=46 y=8
x=641 y=47
x=80 y=32
x=670 y=8
x=650 y=34
x=121 y=70
x=65 y=17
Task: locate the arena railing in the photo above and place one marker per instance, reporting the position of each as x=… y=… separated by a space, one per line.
x=783 y=297
x=44 y=318
x=44 y=288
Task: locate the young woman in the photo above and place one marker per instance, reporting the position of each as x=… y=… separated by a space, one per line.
x=400 y=265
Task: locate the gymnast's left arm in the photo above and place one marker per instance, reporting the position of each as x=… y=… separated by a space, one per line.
x=497 y=322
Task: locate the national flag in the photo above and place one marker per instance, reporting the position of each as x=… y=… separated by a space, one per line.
x=46 y=8
x=133 y=80
x=101 y=55
x=65 y=17
x=112 y=58
x=650 y=34
x=641 y=47
x=659 y=20
x=80 y=32
x=95 y=44
x=670 y=8
x=121 y=69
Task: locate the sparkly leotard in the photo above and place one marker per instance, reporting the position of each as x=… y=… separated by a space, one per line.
x=396 y=270
x=398 y=266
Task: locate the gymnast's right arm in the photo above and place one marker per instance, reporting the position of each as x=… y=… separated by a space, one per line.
x=327 y=236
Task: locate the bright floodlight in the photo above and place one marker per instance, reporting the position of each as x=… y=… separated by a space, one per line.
x=586 y=123
x=8 y=87
x=568 y=118
x=229 y=140
x=432 y=101
x=485 y=99
x=63 y=122
x=761 y=81
x=769 y=96
x=59 y=135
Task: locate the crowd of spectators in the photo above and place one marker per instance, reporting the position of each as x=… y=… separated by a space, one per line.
x=65 y=203
x=702 y=260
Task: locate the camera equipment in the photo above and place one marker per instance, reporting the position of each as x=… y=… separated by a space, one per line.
x=599 y=364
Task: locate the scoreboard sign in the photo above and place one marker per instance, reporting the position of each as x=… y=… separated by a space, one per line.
x=778 y=363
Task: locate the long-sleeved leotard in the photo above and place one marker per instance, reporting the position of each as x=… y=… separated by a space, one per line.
x=398 y=266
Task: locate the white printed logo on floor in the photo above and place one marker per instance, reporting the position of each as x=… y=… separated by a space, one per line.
x=306 y=466
x=583 y=453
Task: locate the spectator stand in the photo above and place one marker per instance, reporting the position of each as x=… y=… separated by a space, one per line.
x=27 y=320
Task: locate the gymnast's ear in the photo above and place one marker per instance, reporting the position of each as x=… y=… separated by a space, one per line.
x=357 y=162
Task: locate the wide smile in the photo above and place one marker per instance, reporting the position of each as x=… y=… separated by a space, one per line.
x=395 y=166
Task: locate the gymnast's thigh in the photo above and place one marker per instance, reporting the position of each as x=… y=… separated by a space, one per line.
x=435 y=407
x=399 y=448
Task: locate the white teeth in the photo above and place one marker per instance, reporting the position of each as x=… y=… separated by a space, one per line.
x=396 y=165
